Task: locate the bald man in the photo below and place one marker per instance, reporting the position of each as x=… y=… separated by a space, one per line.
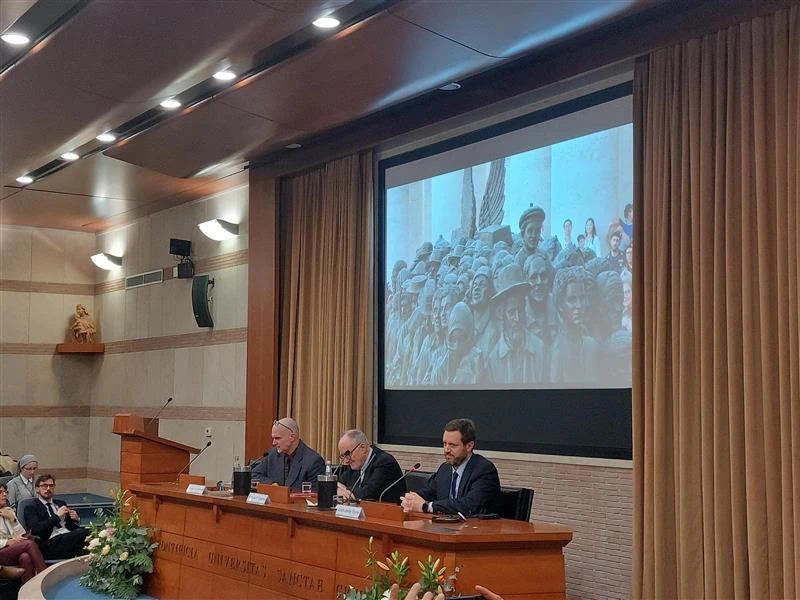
x=290 y=462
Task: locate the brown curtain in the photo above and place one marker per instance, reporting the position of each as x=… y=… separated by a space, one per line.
x=717 y=345
x=326 y=300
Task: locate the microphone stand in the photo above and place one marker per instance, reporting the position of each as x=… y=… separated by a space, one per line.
x=158 y=413
x=189 y=464
x=398 y=480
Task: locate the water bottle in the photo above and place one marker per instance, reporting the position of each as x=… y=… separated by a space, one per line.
x=326 y=489
x=241 y=479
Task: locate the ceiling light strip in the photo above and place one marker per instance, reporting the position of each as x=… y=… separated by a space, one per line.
x=38 y=22
x=284 y=49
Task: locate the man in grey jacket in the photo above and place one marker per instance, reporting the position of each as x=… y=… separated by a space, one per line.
x=290 y=462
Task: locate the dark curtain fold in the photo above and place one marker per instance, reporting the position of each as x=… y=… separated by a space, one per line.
x=717 y=344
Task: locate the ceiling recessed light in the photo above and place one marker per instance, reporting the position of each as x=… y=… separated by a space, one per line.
x=294 y=146
x=170 y=103
x=24 y=179
x=326 y=22
x=107 y=261
x=15 y=39
x=450 y=87
x=70 y=156
x=224 y=75
x=106 y=137
x=219 y=230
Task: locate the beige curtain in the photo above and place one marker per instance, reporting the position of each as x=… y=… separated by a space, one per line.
x=717 y=345
x=327 y=300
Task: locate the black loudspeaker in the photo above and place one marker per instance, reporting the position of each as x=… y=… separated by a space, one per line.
x=186 y=269
x=180 y=247
x=202 y=312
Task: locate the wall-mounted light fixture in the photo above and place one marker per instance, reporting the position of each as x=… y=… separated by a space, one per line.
x=106 y=261
x=219 y=230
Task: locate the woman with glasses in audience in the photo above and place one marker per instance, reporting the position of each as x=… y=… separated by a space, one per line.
x=20 y=557
x=22 y=485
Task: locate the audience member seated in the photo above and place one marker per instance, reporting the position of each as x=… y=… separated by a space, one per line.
x=367 y=470
x=290 y=462
x=466 y=483
x=22 y=485
x=56 y=525
x=20 y=557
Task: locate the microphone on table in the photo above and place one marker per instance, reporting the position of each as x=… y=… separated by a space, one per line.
x=398 y=480
x=158 y=413
x=189 y=464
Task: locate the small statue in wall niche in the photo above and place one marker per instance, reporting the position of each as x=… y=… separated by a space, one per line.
x=83 y=326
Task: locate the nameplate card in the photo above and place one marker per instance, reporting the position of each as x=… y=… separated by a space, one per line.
x=256 y=498
x=350 y=512
x=196 y=489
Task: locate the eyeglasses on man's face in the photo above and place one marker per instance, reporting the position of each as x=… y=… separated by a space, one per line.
x=47 y=485
x=348 y=454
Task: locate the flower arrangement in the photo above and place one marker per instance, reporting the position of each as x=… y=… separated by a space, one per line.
x=394 y=570
x=119 y=551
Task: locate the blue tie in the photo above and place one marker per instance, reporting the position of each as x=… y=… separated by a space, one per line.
x=454 y=484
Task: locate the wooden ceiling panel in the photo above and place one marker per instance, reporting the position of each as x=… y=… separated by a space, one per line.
x=383 y=62
x=34 y=125
x=118 y=58
x=105 y=177
x=146 y=49
x=516 y=27
x=210 y=134
x=56 y=210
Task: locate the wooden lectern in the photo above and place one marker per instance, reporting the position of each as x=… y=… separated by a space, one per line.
x=144 y=457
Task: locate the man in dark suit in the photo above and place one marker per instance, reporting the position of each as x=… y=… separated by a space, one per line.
x=56 y=525
x=466 y=483
x=367 y=470
x=290 y=462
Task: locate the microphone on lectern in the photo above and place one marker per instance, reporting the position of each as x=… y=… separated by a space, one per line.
x=189 y=464
x=398 y=480
x=158 y=413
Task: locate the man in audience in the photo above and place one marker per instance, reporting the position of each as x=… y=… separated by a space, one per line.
x=56 y=525
x=367 y=470
x=290 y=462
x=466 y=483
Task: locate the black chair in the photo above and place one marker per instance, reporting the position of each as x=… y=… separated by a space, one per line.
x=516 y=503
x=6 y=478
x=416 y=480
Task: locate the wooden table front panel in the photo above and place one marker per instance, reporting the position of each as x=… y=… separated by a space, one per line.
x=211 y=549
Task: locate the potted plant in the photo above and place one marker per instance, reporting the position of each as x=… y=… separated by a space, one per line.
x=120 y=551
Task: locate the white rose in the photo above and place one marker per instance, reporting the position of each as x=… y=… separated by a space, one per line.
x=123 y=556
x=106 y=549
x=103 y=533
x=94 y=543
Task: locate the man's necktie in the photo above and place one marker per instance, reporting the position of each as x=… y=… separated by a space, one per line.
x=454 y=484
x=287 y=465
x=50 y=509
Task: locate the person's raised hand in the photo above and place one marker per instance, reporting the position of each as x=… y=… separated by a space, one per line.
x=487 y=594
x=413 y=594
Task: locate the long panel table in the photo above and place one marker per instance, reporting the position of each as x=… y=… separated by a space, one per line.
x=213 y=547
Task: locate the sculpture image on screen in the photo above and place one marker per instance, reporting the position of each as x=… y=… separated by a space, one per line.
x=514 y=273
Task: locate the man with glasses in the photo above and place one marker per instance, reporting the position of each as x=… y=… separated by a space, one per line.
x=290 y=462
x=466 y=483
x=367 y=470
x=56 y=525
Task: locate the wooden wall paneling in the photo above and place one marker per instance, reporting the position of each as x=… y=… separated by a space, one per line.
x=262 y=315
